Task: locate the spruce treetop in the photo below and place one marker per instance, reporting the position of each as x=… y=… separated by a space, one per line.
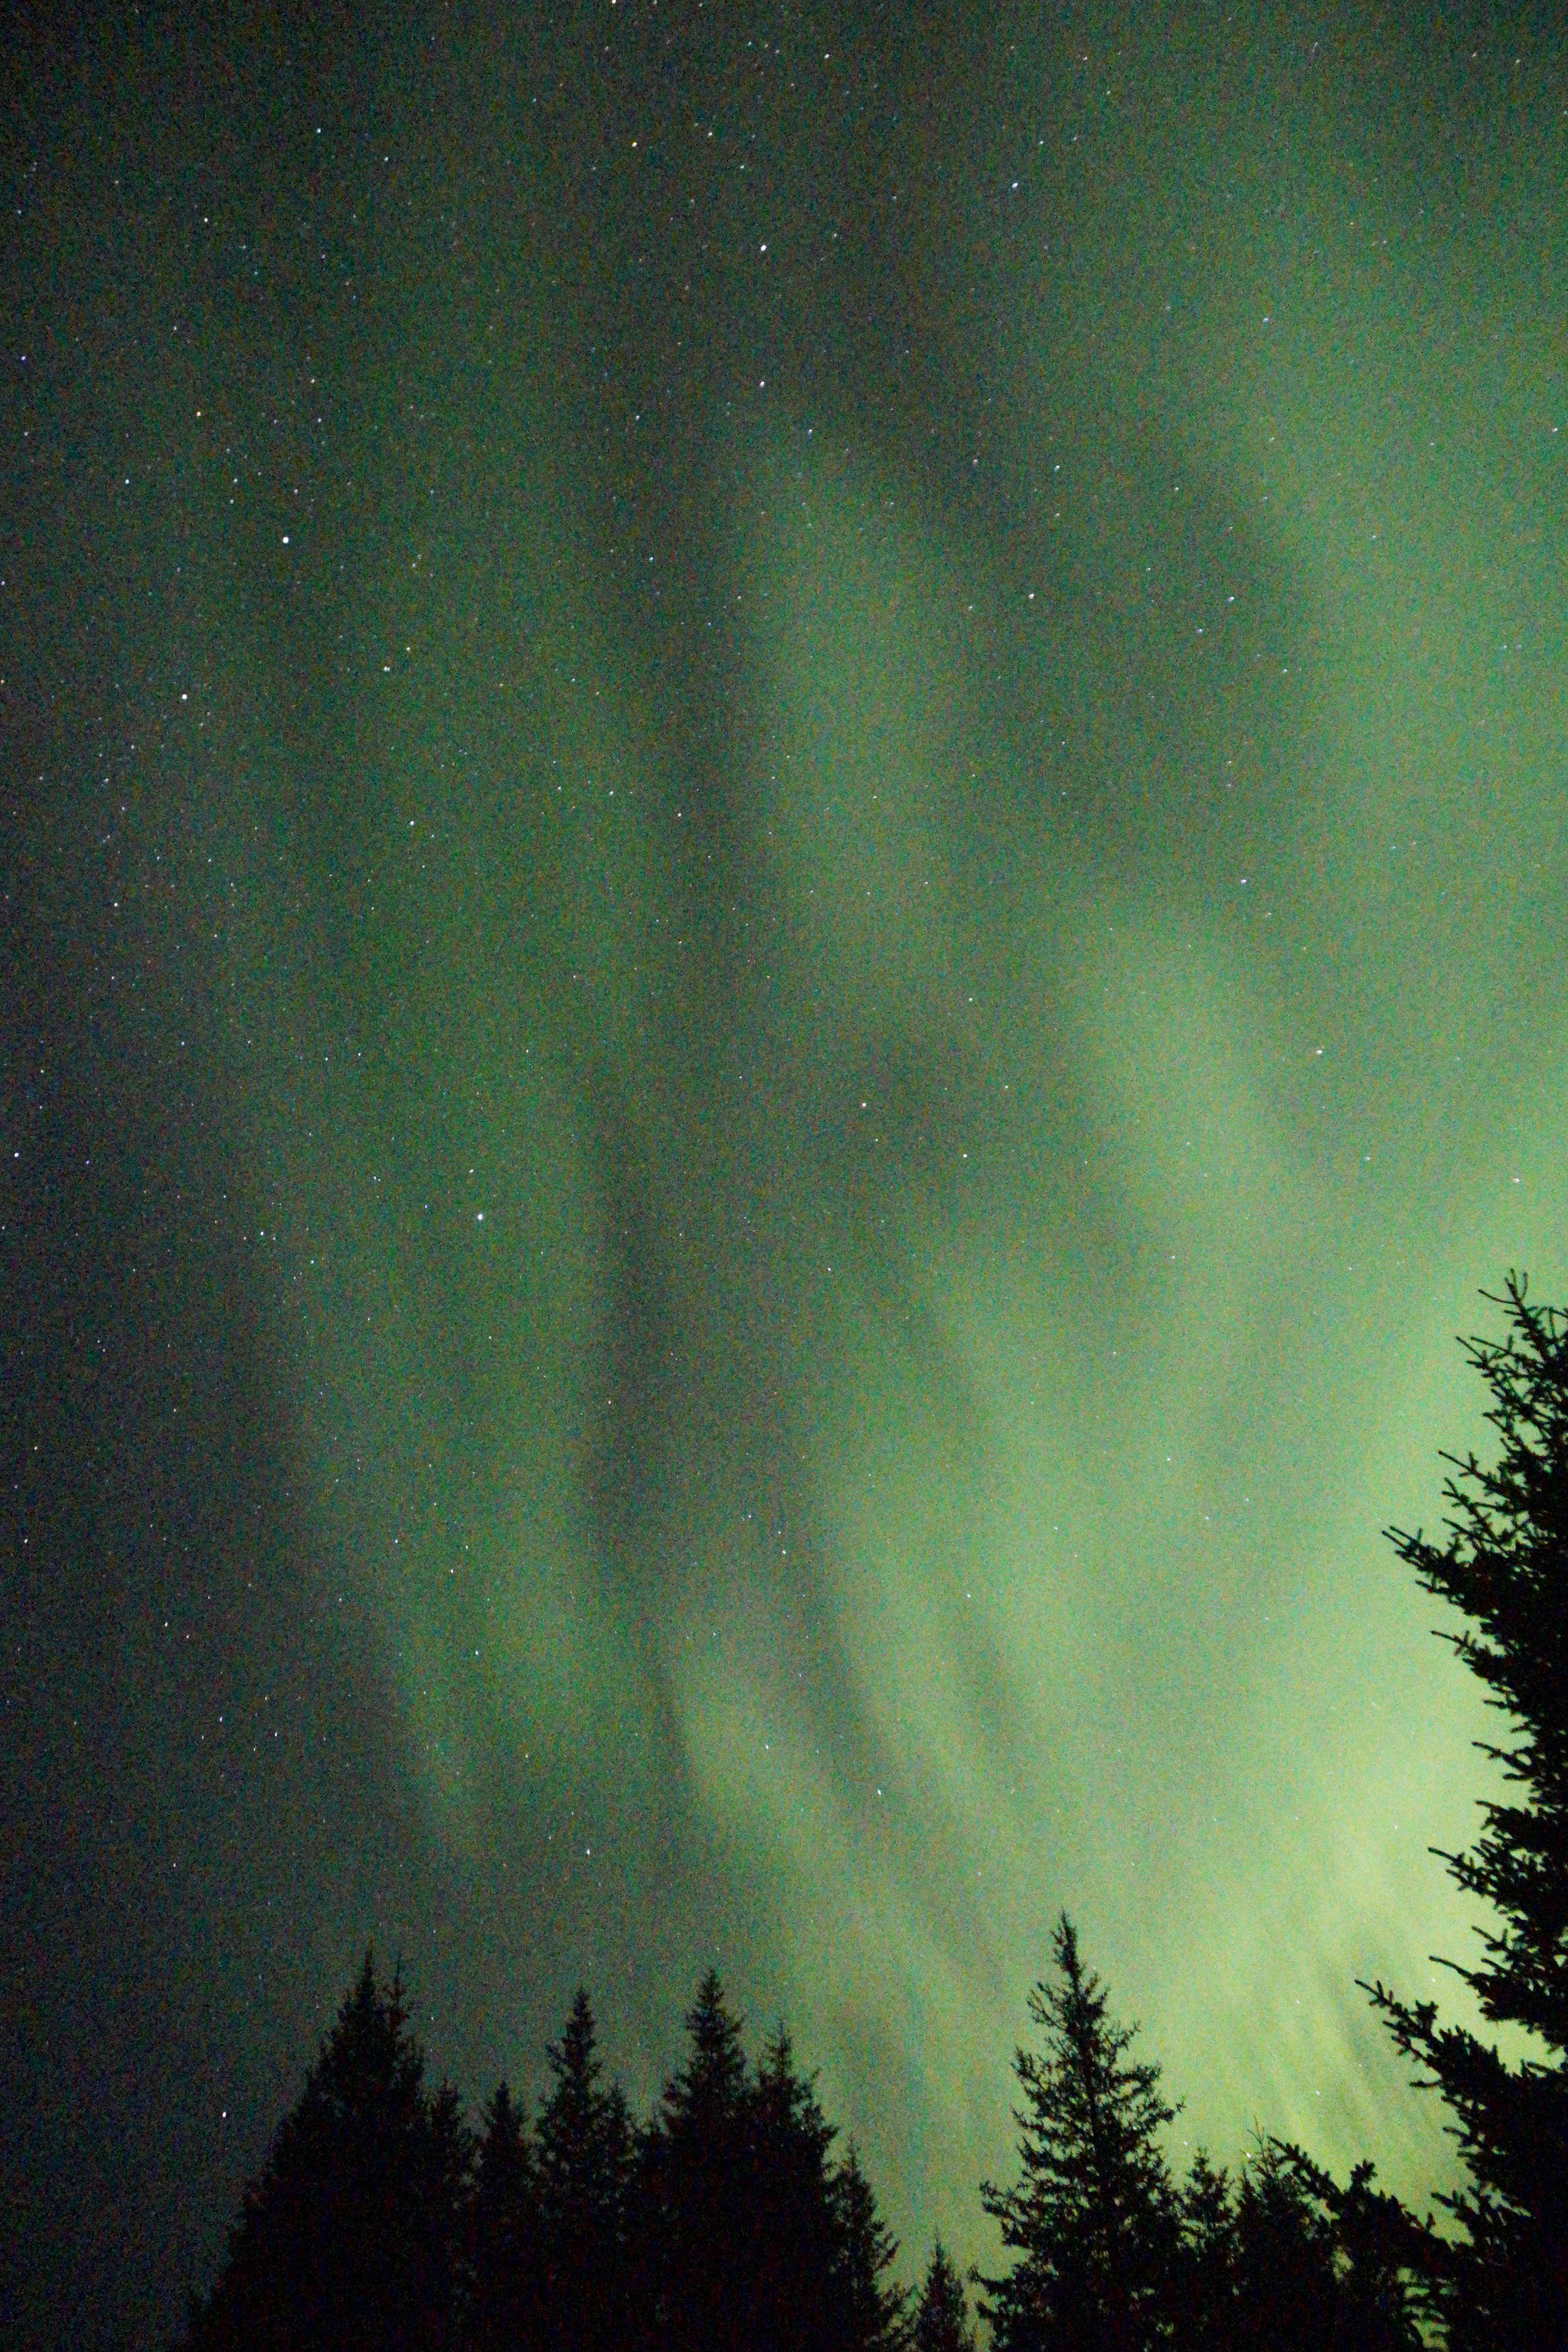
x=1503 y=1564
x=941 y=2317
x=712 y=2083
x=1094 y=2218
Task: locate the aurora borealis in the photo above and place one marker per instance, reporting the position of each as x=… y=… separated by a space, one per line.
x=784 y=888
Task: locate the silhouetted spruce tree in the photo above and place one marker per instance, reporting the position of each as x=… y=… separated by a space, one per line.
x=1376 y=2250
x=789 y=2222
x=1201 y=2286
x=1284 y=2274
x=506 y=2308
x=351 y=2235
x=755 y=2242
x=696 y=2190
x=584 y=2176
x=1094 y=2220
x=941 y=2315
x=872 y=2314
x=1289 y=2261
x=1504 y=1566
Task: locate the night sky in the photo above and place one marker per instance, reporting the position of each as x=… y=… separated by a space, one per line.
x=784 y=884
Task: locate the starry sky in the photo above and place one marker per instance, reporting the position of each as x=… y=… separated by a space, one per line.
x=784 y=892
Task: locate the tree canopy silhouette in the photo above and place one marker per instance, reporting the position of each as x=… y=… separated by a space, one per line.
x=694 y=2183
x=942 y=2317
x=1312 y=2266
x=1113 y=2257
x=725 y=2223
x=1094 y=2218
x=754 y=2239
x=1504 y=1566
x=870 y=2315
x=506 y=2263
x=791 y=2223
x=584 y=2176
x=351 y=2234
x=381 y=2224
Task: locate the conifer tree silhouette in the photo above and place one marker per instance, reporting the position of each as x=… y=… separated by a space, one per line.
x=1284 y=2274
x=1203 y=2284
x=789 y=2222
x=942 y=2317
x=582 y=2175
x=1374 y=2249
x=872 y=2314
x=1504 y=1566
x=1287 y=2260
x=350 y=2237
x=755 y=2242
x=506 y=2304
x=695 y=2177
x=1094 y=2219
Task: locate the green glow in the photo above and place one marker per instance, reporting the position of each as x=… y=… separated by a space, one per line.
x=863 y=1338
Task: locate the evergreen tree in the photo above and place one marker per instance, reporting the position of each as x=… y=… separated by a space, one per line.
x=351 y=2234
x=695 y=2187
x=1377 y=2249
x=583 y=2173
x=1094 y=2220
x=754 y=2241
x=942 y=2317
x=870 y=2313
x=1289 y=2261
x=789 y=2222
x=1203 y=2283
x=506 y=2310
x=1284 y=2262
x=705 y=2104
x=1504 y=1566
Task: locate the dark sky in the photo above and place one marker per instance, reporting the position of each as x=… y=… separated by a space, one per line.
x=784 y=894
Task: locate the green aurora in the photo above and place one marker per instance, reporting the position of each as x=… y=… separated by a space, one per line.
x=832 y=771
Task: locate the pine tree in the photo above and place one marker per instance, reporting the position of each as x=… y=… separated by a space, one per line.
x=942 y=2317
x=1378 y=2248
x=583 y=2172
x=505 y=2300
x=351 y=2234
x=1504 y=1566
x=436 y=2216
x=1094 y=2219
x=706 y=2101
x=695 y=2186
x=1289 y=2261
x=788 y=2227
x=870 y=2313
x=1202 y=2284
x=1285 y=2272
x=754 y=2241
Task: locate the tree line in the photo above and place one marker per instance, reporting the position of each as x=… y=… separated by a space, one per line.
x=729 y=2221
x=382 y=2220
